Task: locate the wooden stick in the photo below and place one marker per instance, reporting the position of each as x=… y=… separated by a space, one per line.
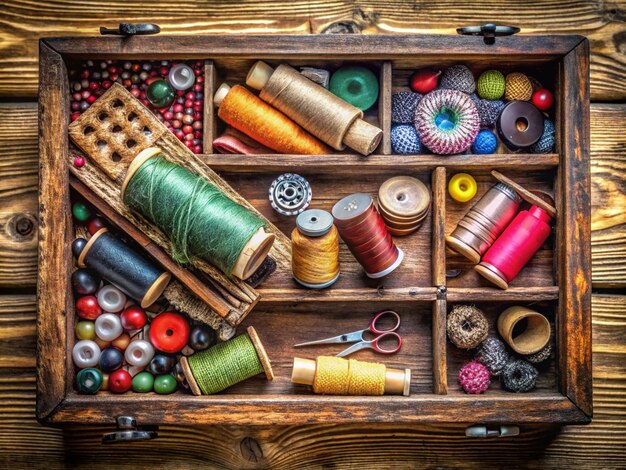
x=525 y=194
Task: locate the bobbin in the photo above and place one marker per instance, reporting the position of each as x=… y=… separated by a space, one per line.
x=403 y=203
x=520 y=125
x=535 y=336
x=290 y=194
x=397 y=381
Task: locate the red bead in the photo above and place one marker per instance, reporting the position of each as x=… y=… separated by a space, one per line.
x=197 y=72
x=177 y=124
x=87 y=307
x=200 y=79
x=93 y=86
x=425 y=80
x=166 y=123
x=190 y=95
x=152 y=79
x=84 y=74
x=120 y=381
x=145 y=102
x=178 y=108
x=189 y=103
x=135 y=92
x=197 y=135
x=74 y=116
x=107 y=84
x=180 y=92
x=198 y=87
x=114 y=76
x=136 y=68
x=77 y=96
x=95 y=224
x=168 y=115
x=127 y=83
x=85 y=94
x=133 y=318
x=189 y=137
x=197 y=116
x=188 y=144
x=197 y=125
x=169 y=332
x=197 y=149
x=79 y=162
x=187 y=129
x=543 y=99
x=179 y=133
x=197 y=107
x=164 y=71
x=113 y=69
x=92 y=99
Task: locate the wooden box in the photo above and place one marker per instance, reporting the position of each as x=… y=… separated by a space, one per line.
x=557 y=282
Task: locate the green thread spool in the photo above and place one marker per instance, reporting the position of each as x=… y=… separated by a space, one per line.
x=226 y=364
x=200 y=220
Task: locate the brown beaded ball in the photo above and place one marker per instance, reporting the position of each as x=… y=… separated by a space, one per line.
x=518 y=87
x=467 y=326
x=540 y=356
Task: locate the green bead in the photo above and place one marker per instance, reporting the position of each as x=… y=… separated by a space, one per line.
x=491 y=85
x=160 y=93
x=85 y=330
x=81 y=212
x=356 y=85
x=143 y=382
x=89 y=380
x=165 y=384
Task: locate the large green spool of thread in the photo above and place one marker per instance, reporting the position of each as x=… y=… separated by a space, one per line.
x=226 y=364
x=200 y=220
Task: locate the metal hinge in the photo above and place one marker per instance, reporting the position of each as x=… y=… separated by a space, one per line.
x=442 y=292
x=489 y=31
x=130 y=29
x=484 y=431
x=128 y=431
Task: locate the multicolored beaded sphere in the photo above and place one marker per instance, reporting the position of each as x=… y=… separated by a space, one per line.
x=404 y=140
x=485 y=143
x=491 y=85
x=474 y=377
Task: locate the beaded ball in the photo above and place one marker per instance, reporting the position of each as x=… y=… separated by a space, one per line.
x=546 y=142
x=519 y=376
x=488 y=110
x=474 y=377
x=518 y=87
x=458 y=77
x=485 y=142
x=403 y=105
x=493 y=355
x=447 y=121
x=467 y=326
x=540 y=356
x=490 y=85
x=404 y=140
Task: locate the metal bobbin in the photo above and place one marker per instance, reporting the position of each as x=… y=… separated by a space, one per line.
x=290 y=194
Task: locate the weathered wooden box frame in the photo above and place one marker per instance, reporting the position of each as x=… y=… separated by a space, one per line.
x=57 y=402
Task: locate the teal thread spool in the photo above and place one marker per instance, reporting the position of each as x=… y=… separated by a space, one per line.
x=200 y=220
x=356 y=85
x=226 y=364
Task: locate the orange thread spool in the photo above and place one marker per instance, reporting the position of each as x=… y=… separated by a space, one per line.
x=268 y=126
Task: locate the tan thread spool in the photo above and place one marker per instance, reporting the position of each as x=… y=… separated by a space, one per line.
x=315 y=249
x=533 y=339
x=397 y=381
x=323 y=114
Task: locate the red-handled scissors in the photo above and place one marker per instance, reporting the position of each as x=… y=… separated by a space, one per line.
x=381 y=334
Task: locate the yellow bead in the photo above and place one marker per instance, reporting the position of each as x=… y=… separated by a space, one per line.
x=462 y=187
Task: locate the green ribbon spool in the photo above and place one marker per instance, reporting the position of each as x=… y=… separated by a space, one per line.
x=356 y=85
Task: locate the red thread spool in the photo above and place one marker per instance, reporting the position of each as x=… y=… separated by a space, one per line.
x=515 y=247
x=363 y=230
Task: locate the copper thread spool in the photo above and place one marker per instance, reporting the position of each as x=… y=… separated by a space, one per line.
x=403 y=203
x=487 y=219
x=364 y=232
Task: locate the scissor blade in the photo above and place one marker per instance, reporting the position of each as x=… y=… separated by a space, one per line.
x=333 y=340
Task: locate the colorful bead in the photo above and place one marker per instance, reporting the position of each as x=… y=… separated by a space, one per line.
x=474 y=377
x=181 y=77
x=161 y=364
x=81 y=212
x=491 y=85
x=79 y=162
x=77 y=246
x=467 y=326
x=169 y=332
x=85 y=330
x=87 y=307
x=121 y=342
x=160 y=93
x=94 y=225
x=84 y=282
x=133 y=318
x=488 y=110
x=139 y=353
x=404 y=140
x=201 y=337
x=458 y=77
x=120 y=381
x=111 y=299
x=462 y=187
x=403 y=105
x=110 y=359
x=356 y=85
x=108 y=326
x=143 y=382
x=89 y=381
x=518 y=87
x=546 y=142
x=543 y=99
x=165 y=384
x=493 y=355
x=424 y=80
x=519 y=376
x=485 y=143
x=85 y=353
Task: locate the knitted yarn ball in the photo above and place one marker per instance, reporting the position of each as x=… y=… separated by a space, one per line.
x=493 y=355
x=467 y=326
x=447 y=121
x=474 y=377
x=518 y=87
x=540 y=356
x=485 y=142
x=491 y=85
x=519 y=376
x=488 y=110
x=404 y=140
x=458 y=77
x=546 y=142
x=403 y=105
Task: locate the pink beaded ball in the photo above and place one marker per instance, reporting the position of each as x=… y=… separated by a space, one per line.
x=474 y=377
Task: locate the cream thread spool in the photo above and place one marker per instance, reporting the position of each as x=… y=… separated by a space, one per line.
x=535 y=336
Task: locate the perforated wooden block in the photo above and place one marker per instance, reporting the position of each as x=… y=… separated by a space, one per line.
x=114 y=130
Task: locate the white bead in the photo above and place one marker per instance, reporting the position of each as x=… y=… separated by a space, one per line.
x=108 y=327
x=111 y=299
x=86 y=353
x=139 y=353
x=181 y=77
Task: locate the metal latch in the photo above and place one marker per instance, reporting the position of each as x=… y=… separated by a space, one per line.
x=484 y=431
x=128 y=431
x=129 y=29
x=489 y=31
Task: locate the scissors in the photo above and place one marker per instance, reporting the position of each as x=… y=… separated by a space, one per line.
x=358 y=337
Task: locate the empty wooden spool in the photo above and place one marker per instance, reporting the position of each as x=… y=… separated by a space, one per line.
x=535 y=336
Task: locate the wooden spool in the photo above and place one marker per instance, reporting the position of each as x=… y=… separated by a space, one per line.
x=533 y=339
x=403 y=203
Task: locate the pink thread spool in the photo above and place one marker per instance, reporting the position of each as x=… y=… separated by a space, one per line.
x=515 y=247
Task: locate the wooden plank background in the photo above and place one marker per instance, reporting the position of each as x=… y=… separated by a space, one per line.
x=24 y=443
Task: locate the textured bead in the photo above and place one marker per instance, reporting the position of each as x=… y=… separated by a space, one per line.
x=467 y=326
x=542 y=355
x=518 y=87
x=139 y=353
x=488 y=110
x=491 y=85
x=485 y=143
x=85 y=353
x=474 y=377
x=111 y=299
x=108 y=326
x=458 y=77
x=546 y=142
x=493 y=355
x=165 y=384
x=404 y=140
x=89 y=381
x=519 y=376
x=403 y=105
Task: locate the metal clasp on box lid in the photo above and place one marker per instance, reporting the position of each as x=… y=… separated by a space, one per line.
x=489 y=31
x=484 y=431
x=127 y=430
x=130 y=29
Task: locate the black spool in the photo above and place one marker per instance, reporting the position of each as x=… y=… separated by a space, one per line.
x=132 y=273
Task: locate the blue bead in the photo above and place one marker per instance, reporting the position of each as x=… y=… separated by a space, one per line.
x=545 y=144
x=111 y=359
x=485 y=142
x=404 y=140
